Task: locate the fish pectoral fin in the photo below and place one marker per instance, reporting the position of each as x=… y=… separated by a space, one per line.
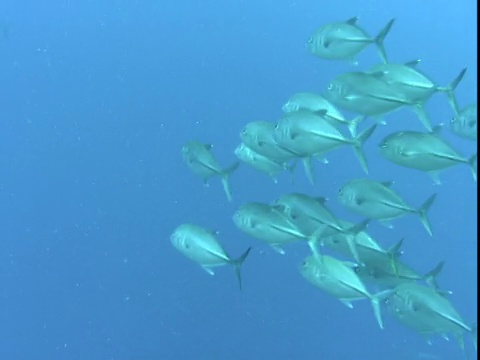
x=208 y=270
x=347 y=303
x=386 y=223
x=278 y=249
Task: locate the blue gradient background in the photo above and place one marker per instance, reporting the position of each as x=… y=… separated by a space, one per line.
x=97 y=98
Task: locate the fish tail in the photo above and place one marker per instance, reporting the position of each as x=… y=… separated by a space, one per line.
x=225 y=175
x=431 y=277
x=307 y=164
x=449 y=90
x=376 y=300
x=473 y=166
x=358 y=142
x=393 y=253
x=237 y=263
x=423 y=213
x=352 y=125
x=419 y=109
x=351 y=233
x=381 y=37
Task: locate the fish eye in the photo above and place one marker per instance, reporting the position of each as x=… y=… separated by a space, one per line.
x=330 y=86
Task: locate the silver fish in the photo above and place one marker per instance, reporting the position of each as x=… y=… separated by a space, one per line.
x=200 y=160
x=376 y=200
x=338 y=279
x=344 y=40
x=423 y=151
x=202 y=246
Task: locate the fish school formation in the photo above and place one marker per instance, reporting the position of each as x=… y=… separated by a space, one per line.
x=311 y=126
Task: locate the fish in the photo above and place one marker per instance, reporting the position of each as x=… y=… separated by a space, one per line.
x=376 y=200
x=427 y=152
x=266 y=223
x=202 y=246
x=307 y=134
x=427 y=311
x=312 y=216
x=200 y=160
x=258 y=136
x=338 y=279
x=387 y=274
x=367 y=249
x=365 y=94
x=413 y=84
x=464 y=124
x=315 y=103
x=262 y=163
x=345 y=40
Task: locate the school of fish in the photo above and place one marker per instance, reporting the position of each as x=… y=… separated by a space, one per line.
x=313 y=125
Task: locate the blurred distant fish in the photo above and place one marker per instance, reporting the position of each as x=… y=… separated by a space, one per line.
x=202 y=246
x=376 y=200
x=344 y=40
x=200 y=160
x=423 y=151
x=464 y=124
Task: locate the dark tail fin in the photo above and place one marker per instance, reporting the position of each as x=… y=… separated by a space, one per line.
x=431 y=277
x=422 y=212
x=358 y=142
x=237 y=263
x=380 y=38
x=449 y=90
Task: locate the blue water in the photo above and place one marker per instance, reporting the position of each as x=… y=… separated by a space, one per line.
x=97 y=98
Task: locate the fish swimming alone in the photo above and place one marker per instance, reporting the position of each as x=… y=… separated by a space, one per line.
x=344 y=40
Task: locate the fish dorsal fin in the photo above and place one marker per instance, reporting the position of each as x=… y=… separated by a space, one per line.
x=352 y=21
x=388 y=183
x=412 y=63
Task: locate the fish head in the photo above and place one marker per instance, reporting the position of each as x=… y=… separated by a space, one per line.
x=179 y=238
x=242 y=219
x=348 y=194
x=392 y=146
x=307 y=267
x=337 y=90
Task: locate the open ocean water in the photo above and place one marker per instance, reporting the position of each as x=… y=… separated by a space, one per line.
x=97 y=99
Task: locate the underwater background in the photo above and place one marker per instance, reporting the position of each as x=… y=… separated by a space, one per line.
x=97 y=99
